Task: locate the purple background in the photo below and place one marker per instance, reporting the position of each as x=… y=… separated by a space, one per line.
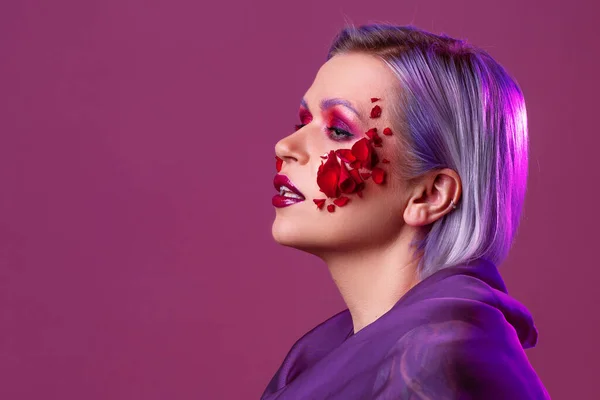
x=136 y=167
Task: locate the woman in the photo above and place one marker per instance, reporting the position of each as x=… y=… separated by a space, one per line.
x=407 y=176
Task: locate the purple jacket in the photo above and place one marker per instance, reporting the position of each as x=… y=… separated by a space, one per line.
x=455 y=335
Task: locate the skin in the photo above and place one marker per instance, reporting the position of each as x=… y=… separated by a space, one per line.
x=365 y=244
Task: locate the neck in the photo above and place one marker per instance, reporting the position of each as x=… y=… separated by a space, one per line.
x=372 y=280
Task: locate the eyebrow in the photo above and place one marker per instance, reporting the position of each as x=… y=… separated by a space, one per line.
x=328 y=103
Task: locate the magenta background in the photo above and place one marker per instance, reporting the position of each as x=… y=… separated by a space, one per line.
x=136 y=165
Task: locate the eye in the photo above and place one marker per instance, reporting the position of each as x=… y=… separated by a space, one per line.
x=339 y=134
x=336 y=134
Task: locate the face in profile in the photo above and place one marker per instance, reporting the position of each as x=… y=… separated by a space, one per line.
x=342 y=140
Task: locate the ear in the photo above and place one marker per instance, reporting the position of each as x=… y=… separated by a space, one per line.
x=431 y=196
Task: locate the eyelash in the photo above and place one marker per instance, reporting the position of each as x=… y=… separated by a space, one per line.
x=346 y=135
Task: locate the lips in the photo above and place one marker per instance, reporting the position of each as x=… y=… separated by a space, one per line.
x=282 y=180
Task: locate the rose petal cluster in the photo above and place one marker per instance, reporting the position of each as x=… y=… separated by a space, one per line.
x=341 y=174
x=337 y=178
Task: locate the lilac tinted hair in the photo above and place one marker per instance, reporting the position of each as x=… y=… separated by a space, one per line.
x=456 y=108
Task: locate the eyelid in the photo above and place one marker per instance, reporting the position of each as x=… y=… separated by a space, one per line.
x=335 y=115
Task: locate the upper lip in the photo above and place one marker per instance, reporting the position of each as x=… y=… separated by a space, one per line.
x=282 y=180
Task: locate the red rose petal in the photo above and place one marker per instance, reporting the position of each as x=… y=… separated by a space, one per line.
x=356 y=164
x=371 y=132
x=330 y=208
x=360 y=149
x=378 y=175
x=356 y=175
x=319 y=203
x=345 y=155
x=329 y=175
x=341 y=201
x=346 y=183
x=376 y=112
x=278 y=163
x=374 y=99
x=324 y=157
x=387 y=131
x=385 y=161
x=359 y=193
x=365 y=175
x=373 y=161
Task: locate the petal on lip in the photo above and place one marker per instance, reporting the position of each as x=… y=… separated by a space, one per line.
x=278 y=163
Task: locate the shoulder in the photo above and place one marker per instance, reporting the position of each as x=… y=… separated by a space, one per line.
x=453 y=359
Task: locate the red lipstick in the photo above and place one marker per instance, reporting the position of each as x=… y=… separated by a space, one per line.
x=284 y=200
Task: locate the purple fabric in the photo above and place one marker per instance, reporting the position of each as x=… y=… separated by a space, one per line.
x=455 y=335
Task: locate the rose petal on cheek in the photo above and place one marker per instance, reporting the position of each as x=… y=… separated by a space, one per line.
x=355 y=174
x=378 y=175
x=385 y=161
x=359 y=193
x=319 y=203
x=360 y=149
x=328 y=176
x=374 y=160
x=278 y=163
x=365 y=175
x=345 y=155
x=374 y=99
x=372 y=134
x=346 y=183
x=328 y=183
x=330 y=208
x=376 y=112
x=387 y=131
x=356 y=164
x=341 y=201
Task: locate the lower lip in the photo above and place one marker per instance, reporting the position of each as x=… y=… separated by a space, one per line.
x=282 y=201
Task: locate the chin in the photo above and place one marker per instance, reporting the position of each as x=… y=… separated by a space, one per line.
x=284 y=232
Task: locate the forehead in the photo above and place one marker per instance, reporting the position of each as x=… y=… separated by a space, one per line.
x=355 y=76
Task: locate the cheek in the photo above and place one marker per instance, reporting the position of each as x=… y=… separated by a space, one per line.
x=345 y=174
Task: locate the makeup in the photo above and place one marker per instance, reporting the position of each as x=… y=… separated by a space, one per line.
x=345 y=171
x=288 y=193
x=339 y=113
x=342 y=171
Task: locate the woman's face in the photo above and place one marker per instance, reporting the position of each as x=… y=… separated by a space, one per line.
x=370 y=218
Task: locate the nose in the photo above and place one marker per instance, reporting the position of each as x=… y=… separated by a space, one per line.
x=293 y=148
